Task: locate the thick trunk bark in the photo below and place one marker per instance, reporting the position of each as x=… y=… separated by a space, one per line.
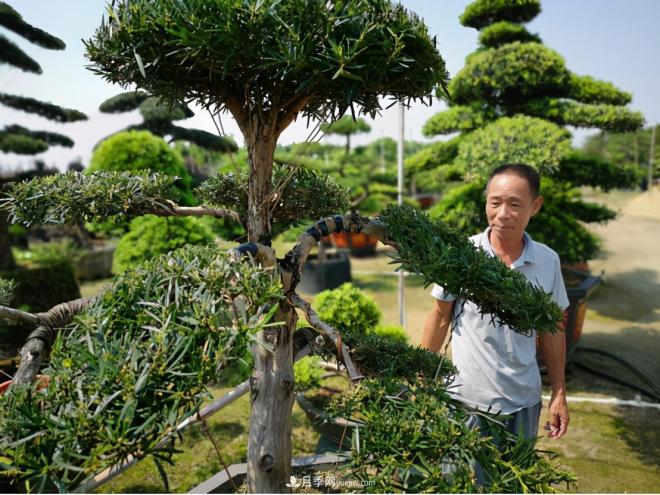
x=271 y=384
x=6 y=257
x=272 y=394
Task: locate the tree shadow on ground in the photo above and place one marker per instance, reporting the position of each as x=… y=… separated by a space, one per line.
x=632 y=296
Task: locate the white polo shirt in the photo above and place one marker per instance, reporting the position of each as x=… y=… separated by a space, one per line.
x=497 y=367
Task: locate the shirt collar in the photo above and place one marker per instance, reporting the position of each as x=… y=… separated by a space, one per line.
x=527 y=255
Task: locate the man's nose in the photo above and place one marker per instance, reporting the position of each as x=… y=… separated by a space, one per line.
x=503 y=212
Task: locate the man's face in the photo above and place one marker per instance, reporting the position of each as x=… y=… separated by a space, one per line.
x=509 y=206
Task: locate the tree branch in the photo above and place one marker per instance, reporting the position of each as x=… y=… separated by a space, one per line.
x=41 y=339
x=173 y=210
x=314 y=320
x=18 y=315
x=289 y=116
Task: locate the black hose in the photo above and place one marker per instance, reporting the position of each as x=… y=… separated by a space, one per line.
x=618 y=380
x=636 y=371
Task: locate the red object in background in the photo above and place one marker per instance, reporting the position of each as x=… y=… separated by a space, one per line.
x=357 y=242
x=42 y=383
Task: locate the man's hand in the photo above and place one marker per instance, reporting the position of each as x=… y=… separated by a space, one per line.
x=557 y=416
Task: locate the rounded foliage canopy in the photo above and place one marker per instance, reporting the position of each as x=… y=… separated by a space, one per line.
x=482 y=13
x=519 y=139
x=274 y=54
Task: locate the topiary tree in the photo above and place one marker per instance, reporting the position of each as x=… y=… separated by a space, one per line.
x=510 y=103
x=132 y=363
x=346 y=126
x=15 y=138
x=159 y=117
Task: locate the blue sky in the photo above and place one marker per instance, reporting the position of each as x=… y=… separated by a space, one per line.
x=614 y=40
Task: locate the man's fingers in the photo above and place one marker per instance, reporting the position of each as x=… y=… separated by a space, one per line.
x=563 y=426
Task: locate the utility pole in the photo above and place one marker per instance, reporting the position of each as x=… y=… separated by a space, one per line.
x=402 y=307
x=651 y=158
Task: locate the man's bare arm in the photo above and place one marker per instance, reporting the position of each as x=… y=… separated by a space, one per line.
x=553 y=349
x=436 y=325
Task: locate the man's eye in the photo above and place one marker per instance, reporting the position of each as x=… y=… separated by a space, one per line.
x=515 y=205
x=494 y=204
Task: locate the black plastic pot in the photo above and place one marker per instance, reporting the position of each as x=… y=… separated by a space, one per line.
x=329 y=274
x=577 y=296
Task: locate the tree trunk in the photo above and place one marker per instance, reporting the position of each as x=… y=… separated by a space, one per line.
x=271 y=384
x=272 y=394
x=261 y=149
x=6 y=257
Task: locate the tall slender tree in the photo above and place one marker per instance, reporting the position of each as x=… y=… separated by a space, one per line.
x=15 y=138
x=510 y=103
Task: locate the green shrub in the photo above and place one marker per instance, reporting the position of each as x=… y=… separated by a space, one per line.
x=392 y=332
x=46 y=253
x=307 y=373
x=348 y=309
x=150 y=236
x=131 y=151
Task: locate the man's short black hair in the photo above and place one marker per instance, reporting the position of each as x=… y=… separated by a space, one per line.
x=521 y=170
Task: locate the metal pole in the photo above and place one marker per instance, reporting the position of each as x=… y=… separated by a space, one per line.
x=651 y=158
x=402 y=307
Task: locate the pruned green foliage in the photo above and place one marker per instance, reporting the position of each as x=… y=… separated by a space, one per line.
x=73 y=197
x=46 y=110
x=424 y=444
x=602 y=116
x=6 y=291
x=442 y=256
x=13 y=55
x=21 y=144
x=581 y=169
x=520 y=139
x=349 y=310
x=504 y=32
x=512 y=73
x=455 y=119
x=204 y=139
x=298 y=193
x=50 y=138
x=262 y=57
x=434 y=155
x=133 y=365
x=482 y=13
x=13 y=21
x=123 y=102
x=586 y=89
x=307 y=373
x=156 y=112
x=151 y=236
x=346 y=126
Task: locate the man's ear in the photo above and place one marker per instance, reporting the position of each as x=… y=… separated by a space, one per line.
x=536 y=204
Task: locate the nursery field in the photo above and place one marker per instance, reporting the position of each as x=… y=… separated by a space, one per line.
x=611 y=448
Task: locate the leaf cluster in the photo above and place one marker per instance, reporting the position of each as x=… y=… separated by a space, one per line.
x=133 y=365
x=503 y=32
x=581 y=169
x=6 y=291
x=13 y=21
x=13 y=55
x=442 y=256
x=434 y=155
x=520 y=139
x=297 y=192
x=414 y=438
x=482 y=13
x=73 y=197
x=457 y=118
x=263 y=55
x=46 y=110
x=346 y=126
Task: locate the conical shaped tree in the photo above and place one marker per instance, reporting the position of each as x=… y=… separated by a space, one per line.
x=510 y=103
x=15 y=138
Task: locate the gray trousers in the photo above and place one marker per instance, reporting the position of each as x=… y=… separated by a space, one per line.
x=525 y=421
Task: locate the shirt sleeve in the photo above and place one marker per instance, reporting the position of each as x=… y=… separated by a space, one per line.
x=559 y=290
x=439 y=293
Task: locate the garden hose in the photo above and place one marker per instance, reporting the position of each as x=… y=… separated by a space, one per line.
x=636 y=371
x=647 y=381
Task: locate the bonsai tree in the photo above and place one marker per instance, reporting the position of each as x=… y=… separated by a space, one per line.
x=346 y=126
x=130 y=364
x=510 y=103
x=15 y=138
x=159 y=117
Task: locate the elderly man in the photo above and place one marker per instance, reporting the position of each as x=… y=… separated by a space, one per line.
x=497 y=369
